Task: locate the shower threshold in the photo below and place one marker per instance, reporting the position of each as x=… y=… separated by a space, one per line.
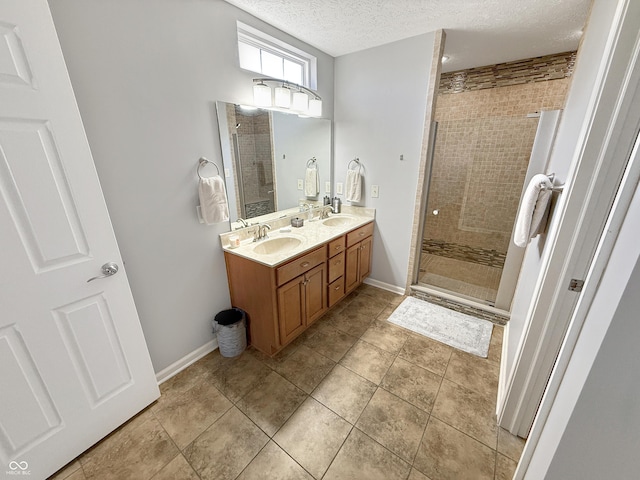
x=460 y=303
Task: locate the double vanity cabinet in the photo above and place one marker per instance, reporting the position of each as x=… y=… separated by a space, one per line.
x=284 y=294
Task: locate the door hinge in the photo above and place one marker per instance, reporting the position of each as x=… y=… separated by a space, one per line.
x=575 y=285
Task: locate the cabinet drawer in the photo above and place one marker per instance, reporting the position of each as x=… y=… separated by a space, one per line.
x=300 y=265
x=336 y=291
x=336 y=267
x=336 y=246
x=359 y=234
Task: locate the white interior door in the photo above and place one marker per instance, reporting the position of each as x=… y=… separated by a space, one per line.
x=73 y=361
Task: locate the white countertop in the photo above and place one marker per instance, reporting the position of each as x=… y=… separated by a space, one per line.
x=313 y=234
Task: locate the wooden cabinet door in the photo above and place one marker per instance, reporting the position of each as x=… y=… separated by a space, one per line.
x=291 y=309
x=315 y=293
x=364 y=266
x=351 y=267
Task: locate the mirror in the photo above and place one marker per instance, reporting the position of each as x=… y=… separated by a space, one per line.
x=265 y=155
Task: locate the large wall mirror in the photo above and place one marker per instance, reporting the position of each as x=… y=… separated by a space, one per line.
x=266 y=155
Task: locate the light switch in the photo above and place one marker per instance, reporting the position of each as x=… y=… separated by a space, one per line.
x=327 y=187
x=299 y=184
x=339 y=188
x=374 y=191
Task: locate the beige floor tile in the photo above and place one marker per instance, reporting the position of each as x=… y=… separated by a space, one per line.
x=475 y=373
x=426 y=353
x=394 y=423
x=273 y=463
x=138 y=452
x=177 y=468
x=312 y=436
x=468 y=411
x=385 y=336
x=386 y=313
x=368 y=306
x=237 y=376
x=417 y=475
x=412 y=383
x=331 y=342
x=278 y=358
x=226 y=447
x=114 y=440
x=362 y=458
x=188 y=378
x=351 y=321
x=495 y=345
x=505 y=468
x=271 y=402
x=510 y=445
x=447 y=454
x=77 y=475
x=67 y=470
x=372 y=291
x=345 y=392
x=188 y=415
x=305 y=368
x=368 y=361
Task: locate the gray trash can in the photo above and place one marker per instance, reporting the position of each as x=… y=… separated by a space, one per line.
x=230 y=326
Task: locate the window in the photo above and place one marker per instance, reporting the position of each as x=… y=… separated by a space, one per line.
x=274 y=58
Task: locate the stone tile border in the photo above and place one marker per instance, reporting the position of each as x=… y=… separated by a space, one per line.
x=530 y=70
x=466 y=253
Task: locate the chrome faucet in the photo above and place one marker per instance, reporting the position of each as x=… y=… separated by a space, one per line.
x=260 y=232
x=325 y=211
x=243 y=222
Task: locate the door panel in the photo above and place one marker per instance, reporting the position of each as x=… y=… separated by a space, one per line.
x=316 y=293
x=291 y=309
x=73 y=361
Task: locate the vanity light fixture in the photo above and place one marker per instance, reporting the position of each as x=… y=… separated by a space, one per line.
x=286 y=96
x=262 y=94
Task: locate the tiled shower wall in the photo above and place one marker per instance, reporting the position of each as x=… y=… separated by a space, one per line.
x=256 y=158
x=484 y=140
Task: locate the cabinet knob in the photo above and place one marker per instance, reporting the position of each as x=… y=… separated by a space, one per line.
x=361 y=234
x=337 y=288
x=338 y=247
x=338 y=262
x=304 y=264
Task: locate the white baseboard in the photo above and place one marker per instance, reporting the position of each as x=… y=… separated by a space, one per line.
x=384 y=286
x=184 y=362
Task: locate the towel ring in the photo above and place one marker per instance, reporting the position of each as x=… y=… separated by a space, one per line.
x=202 y=162
x=311 y=161
x=357 y=162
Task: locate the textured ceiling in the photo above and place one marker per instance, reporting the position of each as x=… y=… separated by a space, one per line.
x=479 y=32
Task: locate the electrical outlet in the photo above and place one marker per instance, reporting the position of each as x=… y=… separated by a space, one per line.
x=374 y=191
x=339 y=188
x=299 y=184
x=227 y=172
x=327 y=187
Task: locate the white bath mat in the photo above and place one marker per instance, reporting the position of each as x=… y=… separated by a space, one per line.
x=456 y=329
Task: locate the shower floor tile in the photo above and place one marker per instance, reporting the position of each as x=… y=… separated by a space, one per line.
x=466 y=278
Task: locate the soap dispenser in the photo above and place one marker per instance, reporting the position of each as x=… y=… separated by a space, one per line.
x=336 y=205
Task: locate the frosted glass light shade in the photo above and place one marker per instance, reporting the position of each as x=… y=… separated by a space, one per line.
x=262 y=95
x=315 y=107
x=300 y=102
x=282 y=97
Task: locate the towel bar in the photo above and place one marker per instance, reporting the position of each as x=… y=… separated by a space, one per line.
x=202 y=162
x=311 y=161
x=554 y=188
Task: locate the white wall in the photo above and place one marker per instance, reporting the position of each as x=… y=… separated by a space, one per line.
x=379 y=115
x=146 y=74
x=297 y=140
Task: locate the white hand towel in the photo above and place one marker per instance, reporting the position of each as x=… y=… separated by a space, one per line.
x=353 y=185
x=311 y=182
x=213 y=200
x=533 y=209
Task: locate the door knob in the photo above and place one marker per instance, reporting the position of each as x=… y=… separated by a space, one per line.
x=107 y=269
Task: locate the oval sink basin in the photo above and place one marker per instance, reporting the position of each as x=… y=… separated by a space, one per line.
x=338 y=221
x=277 y=245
